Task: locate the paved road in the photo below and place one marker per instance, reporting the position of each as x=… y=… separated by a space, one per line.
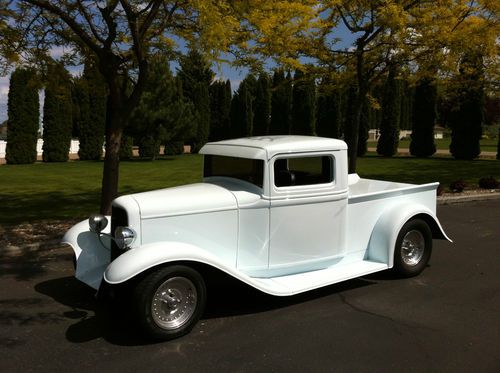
x=445 y=320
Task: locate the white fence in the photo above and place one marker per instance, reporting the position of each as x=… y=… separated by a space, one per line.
x=73 y=148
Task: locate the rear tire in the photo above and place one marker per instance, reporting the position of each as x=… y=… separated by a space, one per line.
x=170 y=301
x=413 y=248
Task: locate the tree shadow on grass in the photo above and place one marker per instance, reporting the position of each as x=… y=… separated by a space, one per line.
x=113 y=321
x=32 y=207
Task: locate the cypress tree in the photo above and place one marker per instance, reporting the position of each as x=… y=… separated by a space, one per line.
x=349 y=112
x=498 y=145
x=365 y=124
x=303 y=105
x=424 y=118
x=91 y=99
x=391 y=112
x=328 y=111
x=57 y=119
x=242 y=111
x=196 y=77
x=281 y=103
x=226 y=118
x=466 y=119
x=405 y=122
x=220 y=106
x=23 y=113
x=262 y=106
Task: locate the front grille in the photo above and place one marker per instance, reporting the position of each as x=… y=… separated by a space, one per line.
x=118 y=219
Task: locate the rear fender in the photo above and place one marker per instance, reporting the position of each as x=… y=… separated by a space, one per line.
x=383 y=239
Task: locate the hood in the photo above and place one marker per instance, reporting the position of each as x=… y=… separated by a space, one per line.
x=183 y=200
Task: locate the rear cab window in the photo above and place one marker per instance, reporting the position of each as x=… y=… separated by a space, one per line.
x=303 y=170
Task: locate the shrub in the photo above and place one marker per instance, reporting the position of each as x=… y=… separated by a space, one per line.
x=457 y=186
x=174 y=148
x=489 y=183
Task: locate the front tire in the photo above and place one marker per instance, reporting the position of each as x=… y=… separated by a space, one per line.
x=170 y=301
x=413 y=248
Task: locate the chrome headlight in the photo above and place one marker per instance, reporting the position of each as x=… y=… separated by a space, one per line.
x=124 y=237
x=97 y=223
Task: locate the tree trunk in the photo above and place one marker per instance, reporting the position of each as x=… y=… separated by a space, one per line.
x=353 y=135
x=114 y=130
x=353 y=131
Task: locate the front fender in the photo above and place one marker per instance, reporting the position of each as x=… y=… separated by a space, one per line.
x=91 y=253
x=136 y=261
x=385 y=233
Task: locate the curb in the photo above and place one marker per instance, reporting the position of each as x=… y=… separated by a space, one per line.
x=448 y=200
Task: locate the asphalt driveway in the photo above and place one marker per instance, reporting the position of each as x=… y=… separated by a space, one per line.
x=446 y=319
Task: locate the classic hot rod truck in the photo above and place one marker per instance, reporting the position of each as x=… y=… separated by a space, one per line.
x=279 y=213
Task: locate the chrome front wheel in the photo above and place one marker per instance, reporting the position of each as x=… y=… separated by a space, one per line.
x=174 y=303
x=170 y=301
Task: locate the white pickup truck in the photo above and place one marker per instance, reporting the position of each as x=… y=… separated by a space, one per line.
x=279 y=213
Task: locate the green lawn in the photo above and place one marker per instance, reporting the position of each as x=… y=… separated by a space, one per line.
x=487 y=145
x=71 y=190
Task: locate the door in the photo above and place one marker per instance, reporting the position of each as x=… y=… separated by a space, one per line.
x=307 y=214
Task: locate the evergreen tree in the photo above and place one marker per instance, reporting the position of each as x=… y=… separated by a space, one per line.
x=365 y=124
x=262 y=106
x=281 y=103
x=406 y=105
x=349 y=112
x=303 y=105
x=242 y=110
x=23 y=113
x=57 y=119
x=498 y=145
x=328 y=110
x=391 y=113
x=424 y=119
x=90 y=92
x=220 y=107
x=163 y=115
x=126 y=151
x=196 y=77
x=467 y=117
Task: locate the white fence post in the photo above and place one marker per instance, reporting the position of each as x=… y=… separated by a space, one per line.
x=73 y=149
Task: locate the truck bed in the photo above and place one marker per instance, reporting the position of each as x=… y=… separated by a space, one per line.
x=365 y=188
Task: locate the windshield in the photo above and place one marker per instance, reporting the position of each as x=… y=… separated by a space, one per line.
x=251 y=170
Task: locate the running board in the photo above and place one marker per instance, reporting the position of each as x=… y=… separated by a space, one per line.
x=301 y=282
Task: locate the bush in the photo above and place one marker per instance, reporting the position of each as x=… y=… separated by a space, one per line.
x=489 y=183
x=457 y=186
x=174 y=148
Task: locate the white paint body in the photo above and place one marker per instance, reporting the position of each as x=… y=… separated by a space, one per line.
x=281 y=240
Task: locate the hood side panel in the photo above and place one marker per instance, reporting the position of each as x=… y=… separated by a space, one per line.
x=185 y=200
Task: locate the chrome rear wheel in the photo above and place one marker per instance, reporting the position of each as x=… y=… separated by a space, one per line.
x=413 y=248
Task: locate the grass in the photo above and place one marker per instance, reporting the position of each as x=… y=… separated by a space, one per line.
x=487 y=145
x=41 y=191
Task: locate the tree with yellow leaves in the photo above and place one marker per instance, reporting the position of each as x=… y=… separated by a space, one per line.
x=122 y=35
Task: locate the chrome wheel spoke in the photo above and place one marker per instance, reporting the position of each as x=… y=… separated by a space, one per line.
x=412 y=247
x=174 y=303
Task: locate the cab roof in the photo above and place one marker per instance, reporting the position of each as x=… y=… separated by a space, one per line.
x=266 y=147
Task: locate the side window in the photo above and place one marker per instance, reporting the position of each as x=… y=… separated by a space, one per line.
x=295 y=171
